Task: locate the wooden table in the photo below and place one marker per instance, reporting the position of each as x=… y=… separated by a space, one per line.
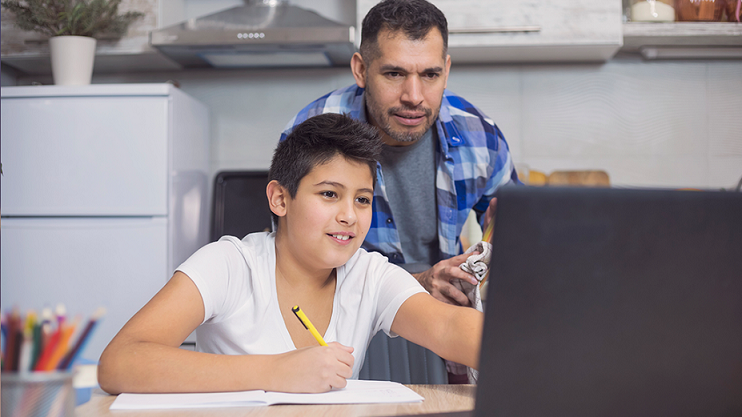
x=438 y=398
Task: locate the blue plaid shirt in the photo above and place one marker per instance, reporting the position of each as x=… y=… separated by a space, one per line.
x=473 y=161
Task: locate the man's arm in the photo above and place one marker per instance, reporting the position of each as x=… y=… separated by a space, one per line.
x=145 y=355
x=454 y=333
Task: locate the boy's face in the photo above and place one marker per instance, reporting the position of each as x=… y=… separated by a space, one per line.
x=329 y=217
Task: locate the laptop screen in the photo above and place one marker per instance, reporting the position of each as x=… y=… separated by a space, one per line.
x=613 y=302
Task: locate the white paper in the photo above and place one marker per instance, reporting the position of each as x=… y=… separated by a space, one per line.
x=356 y=392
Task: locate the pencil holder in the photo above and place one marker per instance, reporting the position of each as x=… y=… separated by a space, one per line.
x=38 y=394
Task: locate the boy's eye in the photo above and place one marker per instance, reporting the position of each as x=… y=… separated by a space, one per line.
x=364 y=200
x=329 y=194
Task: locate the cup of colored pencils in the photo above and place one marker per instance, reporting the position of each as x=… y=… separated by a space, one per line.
x=37 y=361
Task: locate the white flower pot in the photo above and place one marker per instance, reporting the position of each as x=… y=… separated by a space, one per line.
x=72 y=59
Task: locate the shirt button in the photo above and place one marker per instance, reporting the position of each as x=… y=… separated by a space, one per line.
x=388 y=221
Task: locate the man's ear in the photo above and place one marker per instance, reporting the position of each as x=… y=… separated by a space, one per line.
x=277 y=196
x=358 y=68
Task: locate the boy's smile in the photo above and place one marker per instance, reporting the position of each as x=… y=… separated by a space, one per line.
x=327 y=220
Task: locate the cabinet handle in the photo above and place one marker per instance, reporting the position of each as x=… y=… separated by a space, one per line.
x=501 y=29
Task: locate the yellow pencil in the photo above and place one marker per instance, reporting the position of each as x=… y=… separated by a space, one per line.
x=308 y=324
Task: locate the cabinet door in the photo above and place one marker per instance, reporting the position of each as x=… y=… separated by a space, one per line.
x=84 y=156
x=531 y=30
x=84 y=263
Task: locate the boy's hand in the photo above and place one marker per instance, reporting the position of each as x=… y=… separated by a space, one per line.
x=437 y=280
x=314 y=369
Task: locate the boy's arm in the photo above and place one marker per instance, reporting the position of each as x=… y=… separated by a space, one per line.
x=452 y=332
x=145 y=355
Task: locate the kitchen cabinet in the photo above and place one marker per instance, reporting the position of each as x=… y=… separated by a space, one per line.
x=104 y=194
x=527 y=31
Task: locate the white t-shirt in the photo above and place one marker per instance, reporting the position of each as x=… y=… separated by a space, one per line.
x=237 y=282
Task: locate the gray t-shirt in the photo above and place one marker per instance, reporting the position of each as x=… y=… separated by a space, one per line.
x=409 y=177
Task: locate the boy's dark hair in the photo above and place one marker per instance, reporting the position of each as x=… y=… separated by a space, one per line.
x=414 y=18
x=316 y=141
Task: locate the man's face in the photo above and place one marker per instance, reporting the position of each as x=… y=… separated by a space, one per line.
x=404 y=85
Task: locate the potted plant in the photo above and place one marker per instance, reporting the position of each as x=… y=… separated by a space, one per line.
x=73 y=26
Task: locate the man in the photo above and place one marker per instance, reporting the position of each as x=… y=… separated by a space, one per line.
x=442 y=156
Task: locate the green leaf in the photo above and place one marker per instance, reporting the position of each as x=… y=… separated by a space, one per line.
x=71 y=17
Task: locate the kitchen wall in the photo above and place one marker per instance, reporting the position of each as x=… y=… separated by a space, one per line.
x=668 y=124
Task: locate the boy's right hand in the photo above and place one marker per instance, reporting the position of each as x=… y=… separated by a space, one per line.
x=314 y=369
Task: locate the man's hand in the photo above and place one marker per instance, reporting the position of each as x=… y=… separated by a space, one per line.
x=437 y=280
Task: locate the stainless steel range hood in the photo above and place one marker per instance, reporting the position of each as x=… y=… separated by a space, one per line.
x=262 y=33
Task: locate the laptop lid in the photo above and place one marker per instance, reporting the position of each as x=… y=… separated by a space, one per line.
x=609 y=302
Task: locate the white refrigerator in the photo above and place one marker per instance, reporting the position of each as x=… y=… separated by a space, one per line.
x=104 y=193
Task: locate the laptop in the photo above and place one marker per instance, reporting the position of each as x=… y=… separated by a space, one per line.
x=613 y=302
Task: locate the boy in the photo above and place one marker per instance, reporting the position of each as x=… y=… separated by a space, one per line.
x=239 y=293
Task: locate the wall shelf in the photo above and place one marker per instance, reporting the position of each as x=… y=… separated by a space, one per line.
x=680 y=34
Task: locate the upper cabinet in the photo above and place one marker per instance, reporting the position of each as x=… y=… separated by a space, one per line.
x=527 y=31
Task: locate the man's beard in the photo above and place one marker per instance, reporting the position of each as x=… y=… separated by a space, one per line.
x=383 y=119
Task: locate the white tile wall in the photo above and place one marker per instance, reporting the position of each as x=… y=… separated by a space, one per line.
x=249 y=111
x=496 y=90
x=669 y=124
x=724 y=81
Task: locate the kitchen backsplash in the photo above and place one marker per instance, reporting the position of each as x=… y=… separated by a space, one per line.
x=669 y=124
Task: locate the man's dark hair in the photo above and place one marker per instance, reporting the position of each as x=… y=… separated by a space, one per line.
x=316 y=141
x=415 y=18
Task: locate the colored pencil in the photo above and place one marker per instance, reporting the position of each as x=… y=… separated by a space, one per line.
x=24 y=357
x=48 y=350
x=82 y=340
x=4 y=326
x=61 y=313
x=11 y=343
x=45 y=332
x=61 y=348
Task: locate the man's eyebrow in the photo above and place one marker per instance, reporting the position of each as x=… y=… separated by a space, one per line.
x=394 y=68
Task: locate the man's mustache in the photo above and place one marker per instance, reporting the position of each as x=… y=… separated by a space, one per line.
x=428 y=112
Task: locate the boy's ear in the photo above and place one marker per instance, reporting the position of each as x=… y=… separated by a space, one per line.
x=277 y=196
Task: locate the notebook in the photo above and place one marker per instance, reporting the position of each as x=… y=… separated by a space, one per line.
x=613 y=302
x=356 y=392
